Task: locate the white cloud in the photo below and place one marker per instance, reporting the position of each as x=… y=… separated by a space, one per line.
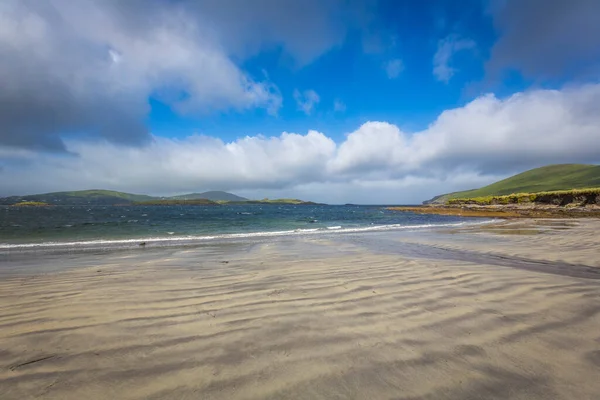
x=307 y=100
x=393 y=68
x=339 y=106
x=447 y=47
x=170 y=165
x=463 y=148
x=89 y=66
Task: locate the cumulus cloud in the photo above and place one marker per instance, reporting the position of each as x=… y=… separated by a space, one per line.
x=547 y=38
x=393 y=68
x=88 y=67
x=488 y=135
x=463 y=148
x=442 y=58
x=307 y=100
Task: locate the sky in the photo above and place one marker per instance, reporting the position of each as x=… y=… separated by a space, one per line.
x=337 y=101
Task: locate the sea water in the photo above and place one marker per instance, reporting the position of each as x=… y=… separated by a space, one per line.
x=106 y=227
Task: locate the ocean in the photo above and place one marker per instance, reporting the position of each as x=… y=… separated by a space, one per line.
x=106 y=227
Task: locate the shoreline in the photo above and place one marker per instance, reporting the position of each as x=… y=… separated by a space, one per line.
x=463 y=312
x=209 y=239
x=503 y=211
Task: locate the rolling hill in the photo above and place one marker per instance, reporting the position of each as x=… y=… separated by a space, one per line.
x=543 y=179
x=108 y=197
x=176 y=202
x=212 y=195
x=80 y=197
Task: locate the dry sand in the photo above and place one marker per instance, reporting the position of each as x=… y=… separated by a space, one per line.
x=314 y=320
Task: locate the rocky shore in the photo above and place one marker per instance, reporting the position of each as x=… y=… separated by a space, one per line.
x=506 y=211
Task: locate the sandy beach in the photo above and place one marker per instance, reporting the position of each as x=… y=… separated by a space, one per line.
x=507 y=311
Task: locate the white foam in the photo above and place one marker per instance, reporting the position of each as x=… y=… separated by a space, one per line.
x=101 y=243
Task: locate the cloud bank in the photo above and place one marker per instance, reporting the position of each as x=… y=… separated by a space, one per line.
x=377 y=163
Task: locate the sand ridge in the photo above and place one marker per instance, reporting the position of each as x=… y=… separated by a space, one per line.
x=291 y=323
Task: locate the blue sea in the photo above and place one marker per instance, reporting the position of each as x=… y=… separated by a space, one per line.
x=106 y=227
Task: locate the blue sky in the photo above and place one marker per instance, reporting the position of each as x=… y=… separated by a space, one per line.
x=335 y=100
x=354 y=74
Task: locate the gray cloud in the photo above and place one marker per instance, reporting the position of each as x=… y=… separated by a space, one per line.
x=547 y=38
x=463 y=148
x=305 y=29
x=87 y=67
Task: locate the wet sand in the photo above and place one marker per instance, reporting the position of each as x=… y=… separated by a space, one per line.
x=425 y=316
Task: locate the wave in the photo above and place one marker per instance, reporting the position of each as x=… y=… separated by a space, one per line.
x=191 y=239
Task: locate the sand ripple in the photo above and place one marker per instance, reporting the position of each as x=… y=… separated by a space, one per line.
x=355 y=326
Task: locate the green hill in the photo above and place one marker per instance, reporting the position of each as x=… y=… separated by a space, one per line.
x=108 y=197
x=544 y=179
x=212 y=195
x=80 y=197
x=104 y=193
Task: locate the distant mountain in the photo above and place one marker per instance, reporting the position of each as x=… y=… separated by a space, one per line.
x=176 y=202
x=276 y=201
x=214 y=195
x=110 y=197
x=80 y=197
x=544 y=179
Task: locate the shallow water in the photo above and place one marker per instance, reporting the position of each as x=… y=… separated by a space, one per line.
x=61 y=228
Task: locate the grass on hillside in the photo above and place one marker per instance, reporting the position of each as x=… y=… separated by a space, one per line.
x=548 y=197
x=31 y=204
x=493 y=212
x=544 y=179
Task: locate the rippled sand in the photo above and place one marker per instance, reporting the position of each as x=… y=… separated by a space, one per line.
x=312 y=321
